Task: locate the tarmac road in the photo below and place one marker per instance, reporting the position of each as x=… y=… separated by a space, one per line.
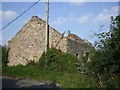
x=24 y=83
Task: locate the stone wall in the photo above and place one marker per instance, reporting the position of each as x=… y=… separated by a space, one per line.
x=77 y=46
x=63 y=45
x=77 y=49
x=29 y=42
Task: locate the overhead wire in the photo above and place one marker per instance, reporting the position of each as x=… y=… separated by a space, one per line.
x=21 y=7
x=19 y=15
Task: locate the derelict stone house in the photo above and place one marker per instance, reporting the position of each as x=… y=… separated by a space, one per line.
x=29 y=43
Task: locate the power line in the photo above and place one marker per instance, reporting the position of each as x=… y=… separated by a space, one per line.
x=20 y=7
x=19 y=16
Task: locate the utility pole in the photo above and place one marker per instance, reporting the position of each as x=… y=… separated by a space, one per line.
x=47 y=31
x=47 y=27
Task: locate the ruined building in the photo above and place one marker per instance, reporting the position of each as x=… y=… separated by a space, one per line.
x=29 y=43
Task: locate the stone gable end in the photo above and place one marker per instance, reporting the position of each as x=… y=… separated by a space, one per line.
x=29 y=43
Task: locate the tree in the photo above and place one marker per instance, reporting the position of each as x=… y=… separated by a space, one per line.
x=105 y=62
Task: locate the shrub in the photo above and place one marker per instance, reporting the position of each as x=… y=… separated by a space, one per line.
x=4 y=55
x=54 y=60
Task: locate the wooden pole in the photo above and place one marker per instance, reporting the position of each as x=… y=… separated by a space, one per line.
x=47 y=27
x=47 y=32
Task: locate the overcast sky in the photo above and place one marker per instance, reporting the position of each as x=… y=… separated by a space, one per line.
x=81 y=18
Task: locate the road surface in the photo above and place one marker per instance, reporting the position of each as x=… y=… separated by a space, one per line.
x=25 y=83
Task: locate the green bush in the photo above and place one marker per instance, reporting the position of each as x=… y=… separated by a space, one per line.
x=105 y=63
x=4 y=55
x=58 y=61
x=54 y=66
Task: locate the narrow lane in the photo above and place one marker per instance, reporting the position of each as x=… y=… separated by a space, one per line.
x=24 y=83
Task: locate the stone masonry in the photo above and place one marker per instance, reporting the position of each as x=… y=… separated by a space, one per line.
x=29 y=43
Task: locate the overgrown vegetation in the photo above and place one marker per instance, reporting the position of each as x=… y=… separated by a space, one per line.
x=57 y=61
x=3 y=57
x=103 y=70
x=4 y=54
x=105 y=63
x=54 y=66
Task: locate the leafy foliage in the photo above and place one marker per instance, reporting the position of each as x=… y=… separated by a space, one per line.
x=4 y=55
x=105 y=63
x=104 y=66
x=53 y=66
x=57 y=61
